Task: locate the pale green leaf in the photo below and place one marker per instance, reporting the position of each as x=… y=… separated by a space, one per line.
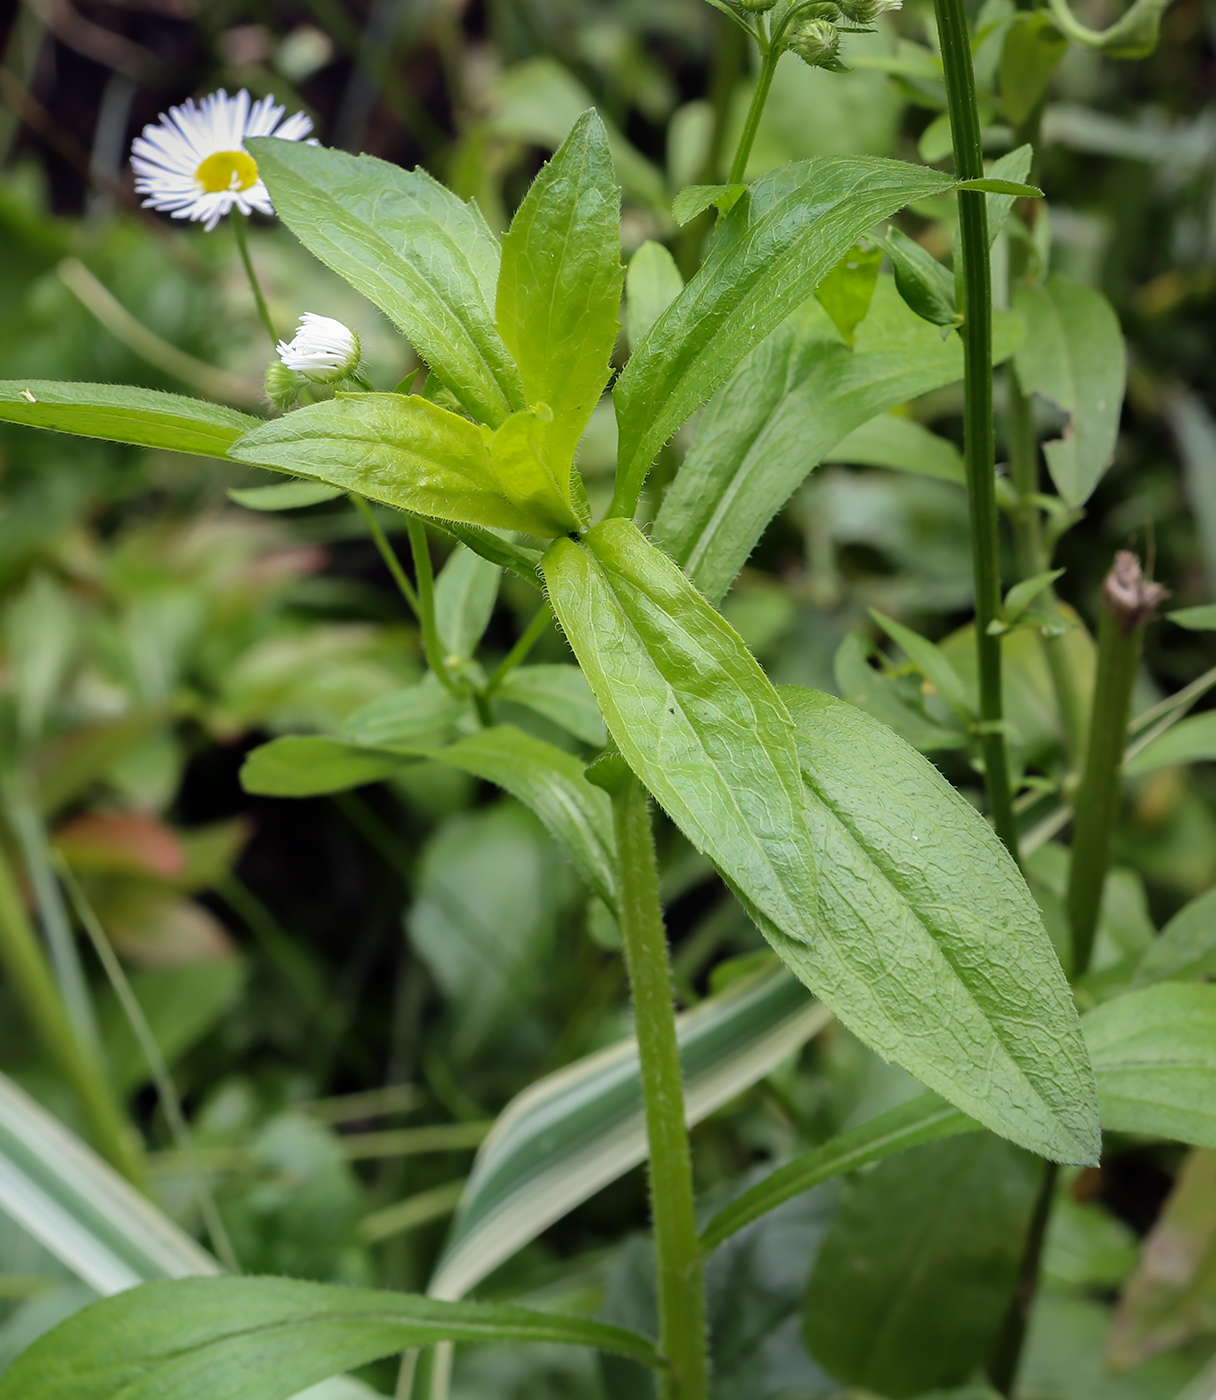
x=1186 y=946
x=989 y=185
x=427 y=259
x=880 y=695
x=696 y=199
x=1191 y=740
x=652 y=283
x=846 y=292
x=930 y=661
x=1021 y=595
x=289 y=495
x=408 y=721
x=1200 y=619
x=561 y=694
x=1031 y=52
x=465 y=593
x=119 y=413
x=900 y=444
x=307 y=765
x=1014 y=165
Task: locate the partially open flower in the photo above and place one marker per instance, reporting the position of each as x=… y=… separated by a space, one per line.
x=322 y=350
x=193 y=164
x=815 y=41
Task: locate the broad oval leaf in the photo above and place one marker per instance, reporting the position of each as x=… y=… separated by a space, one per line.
x=264 y=1339
x=570 y=1134
x=771 y=251
x=559 y=291
x=427 y=259
x=1154 y=1054
x=408 y=452
x=928 y=944
x=122 y=413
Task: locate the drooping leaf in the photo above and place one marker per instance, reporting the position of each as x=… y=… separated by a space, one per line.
x=407 y=452
x=120 y=413
x=559 y=291
x=1186 y=946
x=923 y=1119
x=465 y=592
x=1073 y=354
x=568 y=1135
x=926 y=286
x=652 y=283
x=900 y=444
x=264 y=1339
x=769 y=254
x=916 y=1272
x=1133 y=34
x=427 y=259
x=927 y=939
x=561 y=694
x=1154 y=1055
x=1191 y=740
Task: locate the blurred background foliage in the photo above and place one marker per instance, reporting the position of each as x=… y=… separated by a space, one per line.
x=326 y=975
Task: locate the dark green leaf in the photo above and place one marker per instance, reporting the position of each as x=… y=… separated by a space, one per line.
x=119 y=413
x=306 y=765
x=652 y=283
x=559 y=292
x=263 y=1339
x=407 y=452
x=924 y=1119
x=1073 y=355
x=928 y=944
x=696 y=199
x=916 y=1272
x=846 y=292
x=1186 y=946
x=923 y=282
x=427 y=259
x=769 y=254
x=1154 y=1055
x=290 y=495
x=561 y=694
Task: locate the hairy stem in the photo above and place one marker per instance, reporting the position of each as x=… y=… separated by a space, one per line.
x=978 y=445
x=387 y=553
x=532 y=634
x=680 y=1281
x=432 y=645
x=764 y=81
x=238 y=228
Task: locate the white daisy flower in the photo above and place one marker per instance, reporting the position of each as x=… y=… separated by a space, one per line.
x=323 y=350
x=193 y=164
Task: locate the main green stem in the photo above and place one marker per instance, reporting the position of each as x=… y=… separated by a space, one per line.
x=978 y=443
x=768 y=66
x=1097 y=804
x=680 y=1279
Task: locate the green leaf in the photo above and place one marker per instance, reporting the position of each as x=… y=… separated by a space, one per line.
x=465 y=593
x=696 y=199
x=900 y=444
x=1186 y=946
x=785 y=408
x=1200 y=619
x=769 y=254
x=426 y=259
x=916 y=1272
x=990 y=185
x=652 y=283
x=1191 y=740
x=1133 y=34
x=923 y=1119
x=846 y=292
x=879 y=695
x=1073 y=355
x=693 y=714
x=922 y=281
x=119 y=413
x=1021 y=595
x=1031 y=52
x=928 y=941
x=264 y=1339
x=307 y=765
x=1154 y=1055
x=561 y=694
x=559 y=293
x=290 y=495
x=930 y=661
x=570 y=1134
x=413 y=720
x=407 y=452
x=1014 y=165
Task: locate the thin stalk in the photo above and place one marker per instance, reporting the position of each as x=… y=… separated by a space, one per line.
x=387 y=553
x=680 y=1281
x=978 y=444
x=1007 y=1354
x=170 y=1104
x=532 y=634
x=1128 y=602
x=432 y=646
x=27 y=969
x=238 y=228
x=768 y=66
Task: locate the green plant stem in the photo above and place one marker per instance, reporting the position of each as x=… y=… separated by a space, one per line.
x=27 y=970
x=238 y=228
x=1007 y=1353
x=1097 y=804
x=532 y=634
x=387 y=553
x=764 y=80
x=431 y=645
x=680 y=1280
x=978 y=443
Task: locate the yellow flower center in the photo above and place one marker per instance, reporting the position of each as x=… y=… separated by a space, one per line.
x=227 y=170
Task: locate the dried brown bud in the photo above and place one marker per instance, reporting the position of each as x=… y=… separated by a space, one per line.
x=1130 y=597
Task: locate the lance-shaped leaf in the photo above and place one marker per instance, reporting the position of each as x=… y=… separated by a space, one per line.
x=928 y=943
x=559 y=292
x=410 y=453
x=570 y=1134
x=1073 y=355
x=561 y=694
x=1186 y=947
x=1154 y=1054
x=427 y=259
x=769 y=254
x=265 y=1339
x=121 y=413
x=465 y=593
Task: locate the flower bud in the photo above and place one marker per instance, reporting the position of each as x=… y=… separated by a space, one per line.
x=282 y=385
x=323 y=350
x=815 y=41
x=754 y=7
x=867 y=11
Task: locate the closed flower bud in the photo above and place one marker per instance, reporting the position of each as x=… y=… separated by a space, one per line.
x=815 y=41
x=867 y=11
x=755 y=7
x=323 y=350
x=282 y=385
